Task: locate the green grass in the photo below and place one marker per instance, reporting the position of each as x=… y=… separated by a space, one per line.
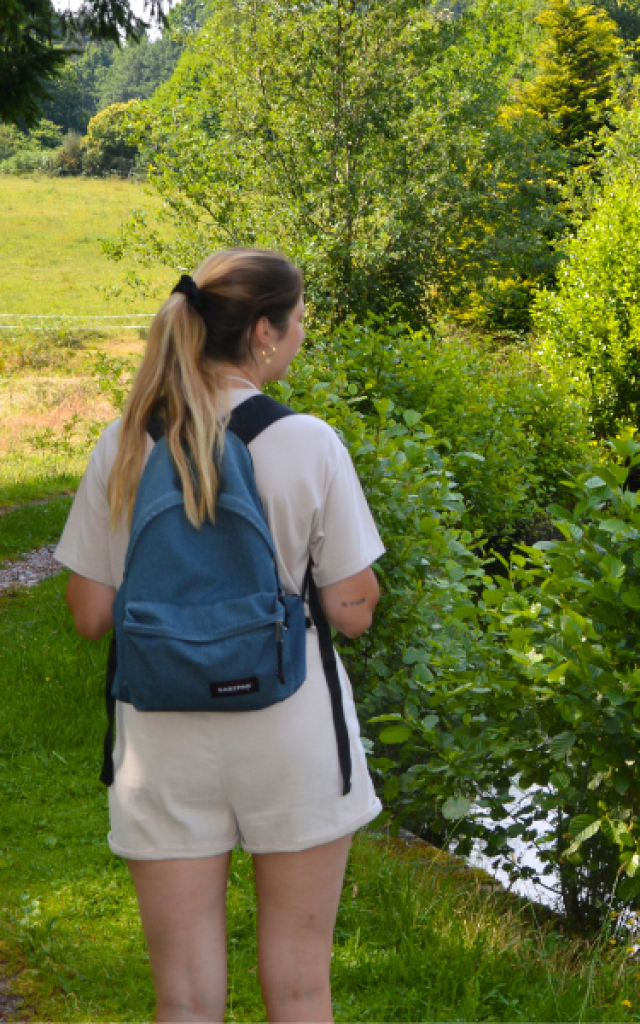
x=26 y=528
x=418 y=938
x=50 y=250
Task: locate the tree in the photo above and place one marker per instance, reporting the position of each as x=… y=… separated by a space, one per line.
x=36 y=43
x=29 y=57
x=137 y=70
x=360 y=137
x=577 y=68
x=108 y=148
x=590 y=327
x=626 y=14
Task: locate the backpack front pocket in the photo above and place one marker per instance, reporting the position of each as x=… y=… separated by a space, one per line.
x=219 y=657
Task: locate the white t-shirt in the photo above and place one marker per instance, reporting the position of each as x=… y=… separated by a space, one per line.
x=308 y=486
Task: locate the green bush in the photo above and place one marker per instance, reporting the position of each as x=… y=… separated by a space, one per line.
x=108 y=149
x=511 y=434
x=28 y=161
x=11 y=140
x=46 y=135
x=590 y=327
x=550 y=699
x=68 y=158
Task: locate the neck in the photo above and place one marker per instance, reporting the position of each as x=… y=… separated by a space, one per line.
x=241 y=376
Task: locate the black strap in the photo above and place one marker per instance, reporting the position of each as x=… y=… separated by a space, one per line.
x=106 y=775
x=255 y=414
x=330 y=666
x=248 y=420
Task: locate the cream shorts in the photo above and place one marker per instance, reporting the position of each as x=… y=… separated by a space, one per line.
x=195 y=784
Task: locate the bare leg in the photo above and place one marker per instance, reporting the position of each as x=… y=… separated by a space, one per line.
x=298 y=897
x=183 y=912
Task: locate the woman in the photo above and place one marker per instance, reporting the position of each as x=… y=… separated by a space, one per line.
x=190 y=785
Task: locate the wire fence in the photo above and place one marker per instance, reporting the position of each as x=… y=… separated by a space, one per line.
x=96 y=321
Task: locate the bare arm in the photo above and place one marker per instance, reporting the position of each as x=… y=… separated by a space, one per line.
x=350 y=603
x=91 y=605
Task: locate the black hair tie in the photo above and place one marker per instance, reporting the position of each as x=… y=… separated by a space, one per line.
x=187 y=286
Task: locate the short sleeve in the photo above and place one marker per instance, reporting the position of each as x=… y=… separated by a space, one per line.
x=84 y=546
x=344 y=539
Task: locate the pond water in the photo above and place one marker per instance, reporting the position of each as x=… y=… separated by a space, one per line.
x=543 y=889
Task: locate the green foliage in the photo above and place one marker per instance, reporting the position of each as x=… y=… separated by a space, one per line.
x=71 y=98
x=36 y=42
x=509 y=435
x=578 y=64
x=11 y=140
x=398 y=187
x=69 y=158
x=30 y=54
x=626 y=14
x=107 y=145
x=137 y=70
x=549 y=698
x=590 y=327
x=105 y=73
x=570 y=620
x=29 y=161
x=45 y=135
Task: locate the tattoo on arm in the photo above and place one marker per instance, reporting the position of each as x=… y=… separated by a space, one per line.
x=351 y=604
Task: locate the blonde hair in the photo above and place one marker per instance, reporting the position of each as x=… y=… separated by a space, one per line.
x=180 y=373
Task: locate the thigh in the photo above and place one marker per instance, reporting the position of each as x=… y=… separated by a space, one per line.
x=298 y=898
x=183 y=912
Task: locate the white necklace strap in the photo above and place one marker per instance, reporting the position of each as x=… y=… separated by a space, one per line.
x=244 y=380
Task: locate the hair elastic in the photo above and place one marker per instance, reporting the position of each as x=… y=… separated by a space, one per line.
x=187 y=286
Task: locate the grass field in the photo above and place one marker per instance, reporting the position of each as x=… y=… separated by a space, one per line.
x=50 y=251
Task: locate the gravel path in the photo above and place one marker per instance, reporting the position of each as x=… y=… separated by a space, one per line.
x=36 y=566
x=9 y=1005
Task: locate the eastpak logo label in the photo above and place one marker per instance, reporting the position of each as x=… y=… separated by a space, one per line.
x=234 y=687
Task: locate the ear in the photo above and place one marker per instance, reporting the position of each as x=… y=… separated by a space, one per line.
x=263 y=333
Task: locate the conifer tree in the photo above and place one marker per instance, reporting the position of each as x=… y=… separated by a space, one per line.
x=36 y=41
x=577 y=68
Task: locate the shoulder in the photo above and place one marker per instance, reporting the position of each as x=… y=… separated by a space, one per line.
x=298 y=452
x=303 y=429
x=106 y=449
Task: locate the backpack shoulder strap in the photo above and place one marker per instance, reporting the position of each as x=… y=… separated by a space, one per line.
x=255 y=414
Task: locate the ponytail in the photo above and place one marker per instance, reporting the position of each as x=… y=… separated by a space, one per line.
x=181 y=372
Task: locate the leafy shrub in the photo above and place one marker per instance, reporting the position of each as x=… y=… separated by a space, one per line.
x=46 y=135
x=68 y=158
x=11 y=140
x=512 y=434
x=590 y=327
x=553 y=702
x=28 y=161
x=108 y=149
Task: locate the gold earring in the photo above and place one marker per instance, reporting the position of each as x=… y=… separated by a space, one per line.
x=268 y=358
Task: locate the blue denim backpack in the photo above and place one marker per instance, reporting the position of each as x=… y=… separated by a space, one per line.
x=201 y=622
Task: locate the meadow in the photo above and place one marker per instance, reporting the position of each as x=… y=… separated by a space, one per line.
x=419 y=935
x=52 y=255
